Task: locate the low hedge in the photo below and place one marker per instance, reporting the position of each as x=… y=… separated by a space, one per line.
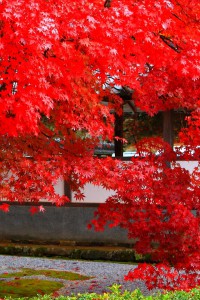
x=117 y=294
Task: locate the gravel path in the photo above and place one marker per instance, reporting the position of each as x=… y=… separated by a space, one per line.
x=104 y=274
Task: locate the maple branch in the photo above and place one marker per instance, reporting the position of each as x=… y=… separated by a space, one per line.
x=131 y=104
x=124 y=92
x=177 y=17
x=107 y=3
x=183 y=10
x=169 y=43
x=46 y=135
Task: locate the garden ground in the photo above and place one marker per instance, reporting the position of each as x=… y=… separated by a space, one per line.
x=16 y=271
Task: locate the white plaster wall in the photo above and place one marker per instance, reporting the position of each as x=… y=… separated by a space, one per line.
x=59 y=187
x=188 y=165
x=94 y=194
x=97 y=194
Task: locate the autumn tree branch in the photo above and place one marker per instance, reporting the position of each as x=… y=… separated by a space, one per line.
x=170 y=43
x=107 y=3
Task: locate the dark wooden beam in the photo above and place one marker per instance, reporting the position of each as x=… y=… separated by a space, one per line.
x=119 y=133
x=67 y=190
x=168 y=130
x=168 y=124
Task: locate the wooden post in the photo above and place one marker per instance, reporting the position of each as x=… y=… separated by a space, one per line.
x=119 y=133
x=67 y=190
x=125 y=94
x=168 y=130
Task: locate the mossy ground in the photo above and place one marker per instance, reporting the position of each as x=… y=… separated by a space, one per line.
x=22 y=287
x=28 y=288
x=49 y=273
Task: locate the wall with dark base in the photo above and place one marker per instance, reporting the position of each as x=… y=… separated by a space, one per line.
x=67 y=224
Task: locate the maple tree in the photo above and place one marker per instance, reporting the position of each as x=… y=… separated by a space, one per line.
x=55 y=58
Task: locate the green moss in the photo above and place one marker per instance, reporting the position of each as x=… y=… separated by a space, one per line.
x=28 y=288
x=49 y=273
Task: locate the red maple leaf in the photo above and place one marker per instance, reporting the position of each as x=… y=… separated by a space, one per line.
x=33 y=210
x=5 y=207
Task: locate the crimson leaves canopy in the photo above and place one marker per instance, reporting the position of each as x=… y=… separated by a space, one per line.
x=55 y=57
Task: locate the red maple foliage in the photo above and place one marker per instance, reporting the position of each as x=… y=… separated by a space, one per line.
x=55 y=57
